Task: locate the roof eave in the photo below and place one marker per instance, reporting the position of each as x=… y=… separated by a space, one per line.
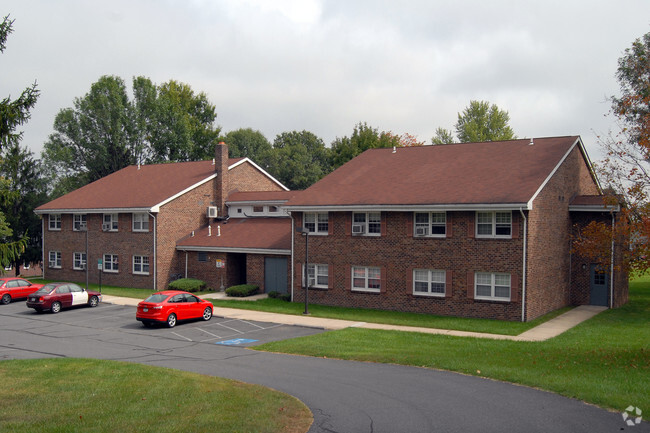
x=409 y=208
x=274 y=251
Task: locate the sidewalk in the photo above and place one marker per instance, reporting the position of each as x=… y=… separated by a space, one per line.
x=550 y=329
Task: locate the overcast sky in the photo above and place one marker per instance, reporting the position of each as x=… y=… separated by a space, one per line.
x=404 y=66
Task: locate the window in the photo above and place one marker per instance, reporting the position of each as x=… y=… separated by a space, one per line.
x=54 y=259
x=140 y=222
x=494 y=224
x=492 y=286
x=141 y=265
x=78 y=222
x=54 y=222
x=110 y=222
x=316 y=223
x=432 y=224
x=79 y=261
x=318 y=276
x=258 y=209
x=110 y=263
x=366 y=279
x=203 y=256
x=368 y=223
x=274 y=209
x=429 y=282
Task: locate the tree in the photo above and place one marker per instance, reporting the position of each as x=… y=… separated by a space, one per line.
x=105 y=131
x=626 y=168
x=363 y=137
x=26 y=183
x=298 y=159
x=245 y=142
x=12 y=115
x=479 y=122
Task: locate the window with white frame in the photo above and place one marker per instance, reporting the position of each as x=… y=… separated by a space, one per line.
x=366 y=223
x=366 y=279
x=54 y=222
x=78 y=261
x=79 y=222
x=141 y=265
x=110 y=263
x=492 y=286
x=318 y=276
x=494 y=224
x=316 y=223
x=431 y=224
x=140 y=222
x=429 y=282
x=109 y=223
x=54 y=259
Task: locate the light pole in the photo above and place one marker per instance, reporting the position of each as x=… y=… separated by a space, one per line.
x=305 y=232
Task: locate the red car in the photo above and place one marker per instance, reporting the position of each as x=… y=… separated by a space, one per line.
x=15 y=288
x=54 y=296
x=170 y=306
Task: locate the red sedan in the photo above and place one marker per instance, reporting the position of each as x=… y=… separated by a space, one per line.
x=14 y=288
x=170 y=306
x=54 y=296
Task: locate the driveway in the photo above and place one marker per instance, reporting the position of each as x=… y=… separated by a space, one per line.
x=344 y=396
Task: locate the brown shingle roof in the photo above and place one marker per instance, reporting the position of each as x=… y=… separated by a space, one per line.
x=136 y=187
x=242 y=234
x=506 y=172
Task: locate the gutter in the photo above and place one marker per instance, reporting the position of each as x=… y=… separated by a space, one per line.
x=155 y=257
x=523 y=277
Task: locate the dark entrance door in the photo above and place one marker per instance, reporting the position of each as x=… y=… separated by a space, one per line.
x=598 y=286
x=275 y=274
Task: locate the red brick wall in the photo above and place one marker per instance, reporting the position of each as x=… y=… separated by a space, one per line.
x=124 y=243
x=245 y=177
x=549 y=226
x=398 y=253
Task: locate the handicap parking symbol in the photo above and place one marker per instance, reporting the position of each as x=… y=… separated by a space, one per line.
x=236 y=342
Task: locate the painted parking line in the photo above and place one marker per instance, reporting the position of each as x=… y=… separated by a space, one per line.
x=179 y=335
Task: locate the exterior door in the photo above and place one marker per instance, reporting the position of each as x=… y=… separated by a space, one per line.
x=275 y=274
x=598 y=286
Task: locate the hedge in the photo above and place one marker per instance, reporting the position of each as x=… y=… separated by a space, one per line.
x=188 y=285
x=242 y=290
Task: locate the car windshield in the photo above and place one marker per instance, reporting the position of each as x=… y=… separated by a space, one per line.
x=156 y=297
x=45 y=290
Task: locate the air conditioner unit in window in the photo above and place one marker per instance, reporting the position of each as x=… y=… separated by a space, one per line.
x=212 y=211
x=106 y=227
x=421 y=231
x=358 y=229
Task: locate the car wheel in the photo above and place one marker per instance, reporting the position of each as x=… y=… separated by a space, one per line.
x=171 y=320
x=207 y=313
x=6 y=298
x=56 y=307
x=93 y=301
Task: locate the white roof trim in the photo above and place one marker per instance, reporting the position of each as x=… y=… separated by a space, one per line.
x=410 y=208
x=260 y=169
x=94 y=211
x=594 y=208
x=529 y=205
x=236 y=250
x=156 y=207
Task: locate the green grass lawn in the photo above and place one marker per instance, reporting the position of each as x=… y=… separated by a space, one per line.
x=604 y=361
x=84 y=395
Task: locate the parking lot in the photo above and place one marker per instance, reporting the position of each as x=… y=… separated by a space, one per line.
x=80 y=321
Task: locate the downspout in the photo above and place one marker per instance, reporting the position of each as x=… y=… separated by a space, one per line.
x=42 y=247
x=292 y=242
x=185 y=263
x=523 y=277
x=155 y=257
x=611 y=268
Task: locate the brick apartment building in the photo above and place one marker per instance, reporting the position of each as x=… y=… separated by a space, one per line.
x=132 y=220
x=472 y=230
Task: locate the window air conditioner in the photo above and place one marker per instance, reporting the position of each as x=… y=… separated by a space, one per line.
x=421 y=231
x=358 y=229
x=212 y=211
x=106 y=227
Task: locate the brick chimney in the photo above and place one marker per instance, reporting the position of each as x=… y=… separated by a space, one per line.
x=221 y=185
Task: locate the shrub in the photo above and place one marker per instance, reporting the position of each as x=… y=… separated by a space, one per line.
x=285 y=297
x=242 y=290
x=188 y=285
x=273 y=294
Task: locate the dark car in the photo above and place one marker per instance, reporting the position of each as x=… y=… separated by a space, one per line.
x=171 y=306
x=54 y=296
x=15 y=288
